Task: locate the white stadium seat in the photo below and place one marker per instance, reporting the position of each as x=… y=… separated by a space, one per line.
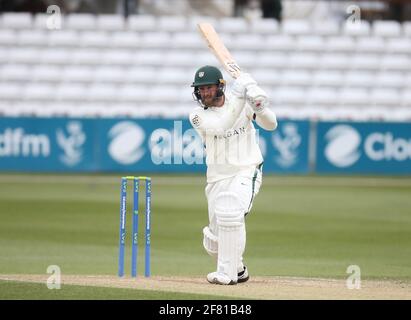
x=272 y=60
x=187 y=40
x=185 y=59
x=340 y=44
x=122 y=57
x=353 y=96
x=171 y=23
x=266 y=77
x=361 y=28
x=71 y=92
x=125 y=39
x=8 y=37
x=110 y=22
x=81 y=21
x=174 y=76
x=322 y=96
x=296 y=27
x=17 y=20
x=202 y=58
x=356 y=78
x=36 y=38
x=248 y=42
x=327 y=78
x=39 y=92
x=406 y=98
x=296 y=78
x=148 y=58
x=63 y=38
x=186 y=97
x=14 y=72
x=9 y=91
x=303 y=61
x=24 y=55
x=234 y=25
x=55 y=56
x=406 y=28
x=279 y=43
x=311 y=43
x=141 y=23
x=35 y=108
x=365 y=62
x=390 y=80
x=333 y=61
x=109 y=74
x=98 y=39
x=288 y=95
x=386 y=28
x=141 y=75
x=264 y=26
x=87 y=56
x=47 y=73
x=21 y=110
x=400 y=114
x=325 y=28
x=370 y=44
x=245 y=59
x=4 y=55
x=78 y=74
x=133 y=93
x=396 y=62
x=162 y=93
x=402 y=45
x=385 y=97
x=41 y=21
x=156 y=40
x=102 y=92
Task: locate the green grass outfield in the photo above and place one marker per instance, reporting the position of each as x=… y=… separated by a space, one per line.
x=16 y=290
x=299 y=226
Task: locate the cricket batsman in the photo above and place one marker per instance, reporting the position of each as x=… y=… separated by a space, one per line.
x=234 y=163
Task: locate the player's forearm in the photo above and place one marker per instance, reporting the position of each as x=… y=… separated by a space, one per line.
x=266 y=119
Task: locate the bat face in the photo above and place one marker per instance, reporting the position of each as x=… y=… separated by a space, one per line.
x=219 y=49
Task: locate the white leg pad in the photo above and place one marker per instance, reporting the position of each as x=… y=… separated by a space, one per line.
x=241 y=248
x=230 y=221
x=210 y=242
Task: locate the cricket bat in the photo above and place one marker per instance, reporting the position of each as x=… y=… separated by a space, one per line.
x=218 y=48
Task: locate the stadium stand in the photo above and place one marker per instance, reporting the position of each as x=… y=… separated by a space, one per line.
x=143 y=66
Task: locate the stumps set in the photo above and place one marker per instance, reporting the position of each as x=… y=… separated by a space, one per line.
x=123 y=215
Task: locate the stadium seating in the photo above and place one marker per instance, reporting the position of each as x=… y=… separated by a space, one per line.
x=105 y=66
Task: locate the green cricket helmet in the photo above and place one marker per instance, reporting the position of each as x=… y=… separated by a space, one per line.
x=205 y=76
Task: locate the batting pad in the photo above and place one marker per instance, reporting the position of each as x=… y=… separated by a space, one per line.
x=231 y=231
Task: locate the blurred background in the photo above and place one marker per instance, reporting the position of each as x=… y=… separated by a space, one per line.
x=320 y=61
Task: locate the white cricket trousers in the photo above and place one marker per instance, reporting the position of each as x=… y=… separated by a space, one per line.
x=246 y=186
